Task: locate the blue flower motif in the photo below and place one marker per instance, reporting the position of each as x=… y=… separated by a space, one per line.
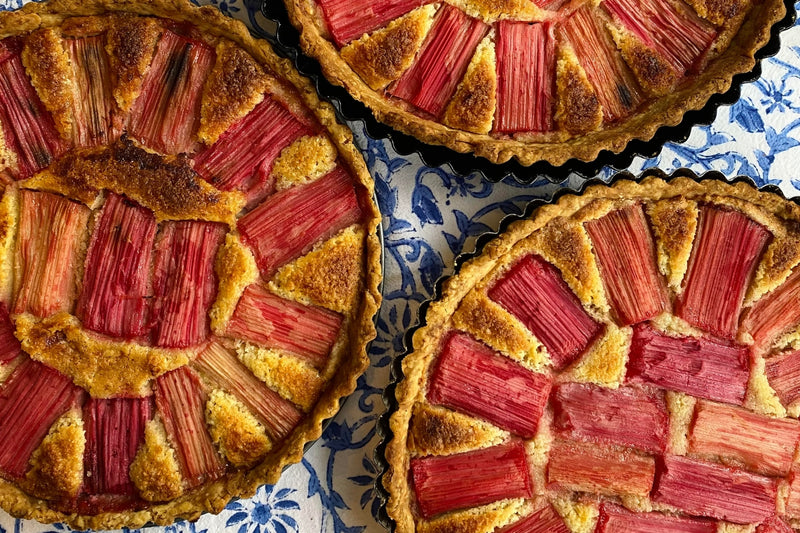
x=268 y=512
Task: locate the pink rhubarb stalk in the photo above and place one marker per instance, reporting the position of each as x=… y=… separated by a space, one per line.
x=783 y=374
x=774 y=525
x=116 y=282
x=166 y=115
x=446 y=483
x=349 y=19
x=616 y=519
x=93 y=101
x=270 y=321
x=526 y=66
x=697 y=366
x=775 y=312
x=545 y=520
x=716 y=491
x=534 y=292
x=10 y=348
x=51 y=230
x=724 y=257
x=441 y=63
x=626 y=255
x=184 y=282
x=471 y=378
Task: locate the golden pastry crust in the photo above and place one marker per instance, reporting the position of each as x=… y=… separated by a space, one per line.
x=155 y=470
x=57 y=464
x=473 y=105
x=305 y=160
x=577 y=108
x=652 y=72
x=437 y=431
x=131 y=45
x=239 y=435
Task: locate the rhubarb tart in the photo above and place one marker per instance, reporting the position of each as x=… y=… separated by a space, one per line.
x=188 y=262
x=534 y=80
x=625 y=360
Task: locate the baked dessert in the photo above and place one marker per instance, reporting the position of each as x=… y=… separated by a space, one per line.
x=625 y=360
x=534 y=80
x=189 y=262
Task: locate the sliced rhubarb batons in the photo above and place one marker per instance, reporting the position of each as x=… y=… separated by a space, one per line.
x=698 y=366
x=10 y=347
x=116 y=281
x=31 y=400
x=430 y=82
x=268 y=320
x=545 y=520
x=184 y=282
x=526 y=67
x=93 y=103
x=51 y=230
x=471 y=378
x=242 y=157
x=710 y=489
x=446 y=483
x=783 y=374
x=774 y=525
x=725 y=254
x=535 y=293
x=775 y=312
x=166 y=115
x=580 y=466
x=290 y=222
x=225 y=370
x=761 y=443
x=677 y=34
x=614 y=84
x=181 y=402
x=114 y=430
x=616 y=519
x=627 y=416
x=28 y=128
x=348 y=20
x=626 y=255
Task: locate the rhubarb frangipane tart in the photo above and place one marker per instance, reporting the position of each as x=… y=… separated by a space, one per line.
x=626 y=360
x=536 y=80
x=188 y=262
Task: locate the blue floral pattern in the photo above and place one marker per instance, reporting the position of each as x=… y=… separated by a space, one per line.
x=431 y=215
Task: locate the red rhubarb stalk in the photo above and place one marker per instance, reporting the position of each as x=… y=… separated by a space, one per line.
x=783 y=374
x=534 y=292
x=93 y=103
x=725 y=254
x=626 y=255
x=775 y=312
x=446 y=483
x=471 y=378
x=10 y=348
x=270 y=321
x=348 y=19
x=430 y=82
x=698 y=366
x=116 y=282
x=793 y=499
x=616 y=519
x=774 y=525
x=545 y=520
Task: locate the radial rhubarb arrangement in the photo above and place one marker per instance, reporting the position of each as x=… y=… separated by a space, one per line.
x=189 y=265
x=624 y=361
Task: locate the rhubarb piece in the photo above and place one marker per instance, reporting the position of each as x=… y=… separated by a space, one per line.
x=762 y=444
x=626 y=256
x=447 y=483
x=166 y=115
x=471 y=378
x=793 y=500
x=116 y=281
x=290 y=222
x=545 y=520
x=93 y=103
x=31 y=400
x=270 y=321
x=526 y=62
x=697 y=366
x=29 y=131
x=725 y=254
x=114 y=430
x=677 y=34
x=441 y=63
x=775 y=312
x=616 y=519
x=614 y=84
x=626 y=416
x=181 y=402
x=10 y=347
x=242 y=157
x=713 y=490
x=51 y=229
x=184 y=282
x=783 y=374
x=348 y=20
x=774 y=525
x=534 y=292
x=224 y=369
x=586 y=467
